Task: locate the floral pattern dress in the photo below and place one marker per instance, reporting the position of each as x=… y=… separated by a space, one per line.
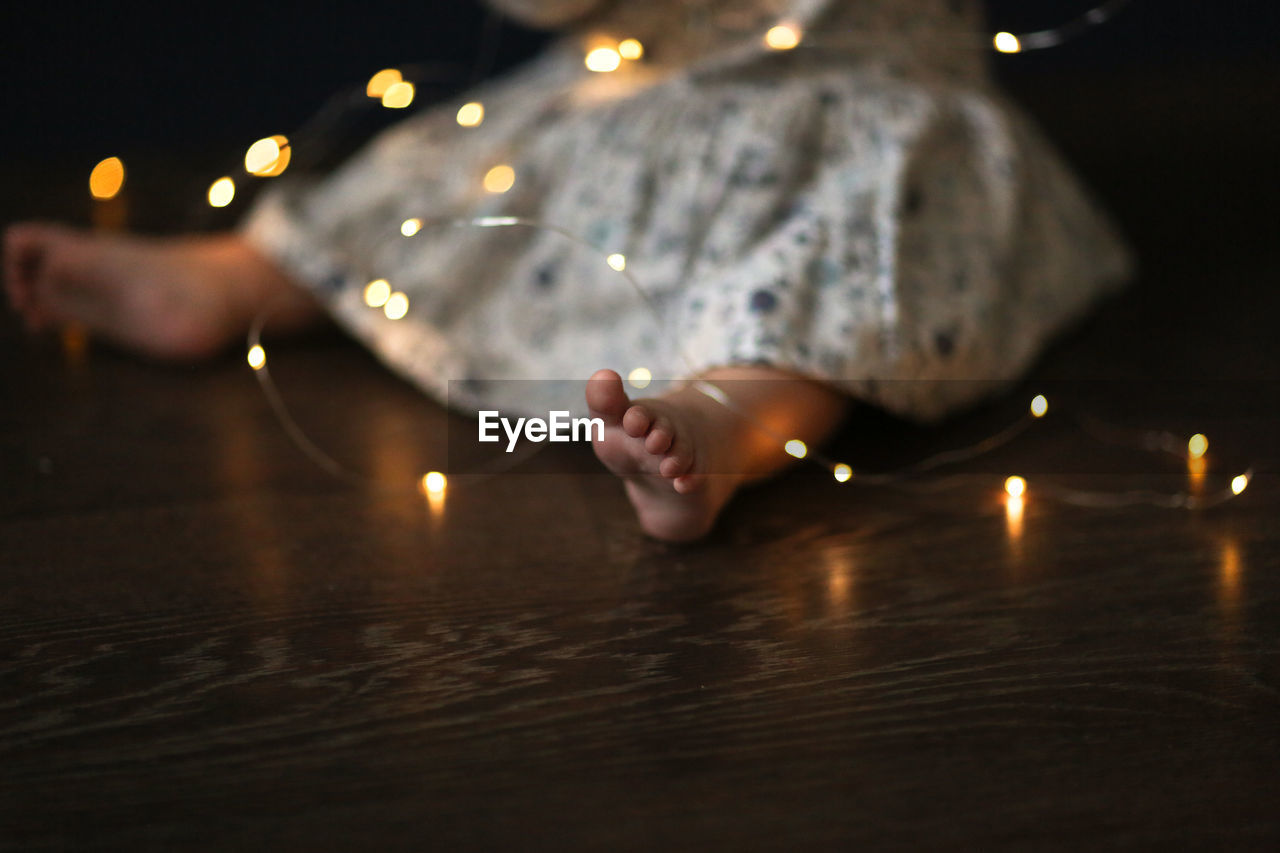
x=864 y=209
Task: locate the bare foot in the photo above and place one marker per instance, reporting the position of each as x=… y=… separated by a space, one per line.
x=665 y=451
x=182 y=298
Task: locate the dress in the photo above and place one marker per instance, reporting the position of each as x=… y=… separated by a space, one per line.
x=863 y=209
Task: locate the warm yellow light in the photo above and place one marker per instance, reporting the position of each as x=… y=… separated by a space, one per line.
x=1013 y=508
x=377 y=292
x=221 y=192
x=396 y=306
x=107 y=178
x=499 y=179
x=1197 y=445
x=257 y=357
x=380 y=82
x=282 y=160
x=796 y=448
x=843 y=473
x=630 y=49
x=411 y=226
x=618 y=262
x=640 y=377
x=433 y=482
x=1039 y=405
x=1239 y=484
x=603 y=59
x=1015 y=486
x=782 y=37
x=470 y=115
x=1007 y=43
x=398 y=95
x=261 y=156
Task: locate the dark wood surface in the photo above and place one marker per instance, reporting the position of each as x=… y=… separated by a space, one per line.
x=207 y=642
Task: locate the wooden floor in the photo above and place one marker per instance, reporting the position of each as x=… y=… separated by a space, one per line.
x=206 y=641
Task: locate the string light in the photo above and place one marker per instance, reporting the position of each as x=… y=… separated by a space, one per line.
x=640 y=377
x=782 y=37
x=381 y=81
x=618 y=262
x=630 y=49
x=267 y=157
x=499 y=179
x=1039 y=406
x=1015 y=486
x=377 y=292
x=1007 y=43
x=471 y=114
x=842 y=472
x=107 y=178
x=221 y=192
x=1197 y=445
x=602 y=60
x=796 y=448
x=434 y=483
x=257 y=356
x=396 y=306
x=398 y=95
x=1239 y=483
x=411 y=226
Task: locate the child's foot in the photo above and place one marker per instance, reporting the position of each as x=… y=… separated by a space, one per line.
x=176 y=299
x=676 y=474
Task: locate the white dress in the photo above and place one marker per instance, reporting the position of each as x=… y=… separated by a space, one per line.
x=863 y=209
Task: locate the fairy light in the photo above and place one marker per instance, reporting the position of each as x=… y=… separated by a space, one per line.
x=411 y=226
x=640 y=377
x=396 y=306
x=107 y=178
x=1197 y=446
x=618 y=262
x=1007 y=43
x=434 y=483
x=221 y=192
x=796 y=448
x=398 y=95
x=782 y=37
x=257 y=357
x=380 y=82
x=470 y=114
x=1015 y=487
x=630 y=49
x=282 y=159
x=263 y=157
x=1239 y=484
x=842 y=472
x=499 y=179
x=377 y=292
x=1039 y=406
x=602 y=60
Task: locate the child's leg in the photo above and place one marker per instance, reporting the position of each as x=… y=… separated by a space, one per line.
x=683 y=455
x=169 y=298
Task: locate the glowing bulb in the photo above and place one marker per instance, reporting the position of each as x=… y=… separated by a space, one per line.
x=1007 y=43
x=630 y=49
x=1039 y=405
x=470 y=115
x=411 y=226
x=640 y=377
x=380 y=82
x=1015 y=486
x=398 y=95
x=618 y=262
x=221 y=192
x=843 y=473
x=499 y=179
x=602 y=60
x=796 y=448
x=107 y=178
x=1197 y=445
x=433 y=482
x=282 y=162
x=263 y=155
x=377 y=292
x=1239 y=484
x=396 y=306
x=257 y=356
x=782 y=37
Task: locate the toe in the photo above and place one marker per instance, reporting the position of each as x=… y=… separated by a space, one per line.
x=606 y=397
x=636 y=421
x=660 y=437
x=676 y=464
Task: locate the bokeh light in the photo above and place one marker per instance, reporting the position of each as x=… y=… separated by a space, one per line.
x=107 y=178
